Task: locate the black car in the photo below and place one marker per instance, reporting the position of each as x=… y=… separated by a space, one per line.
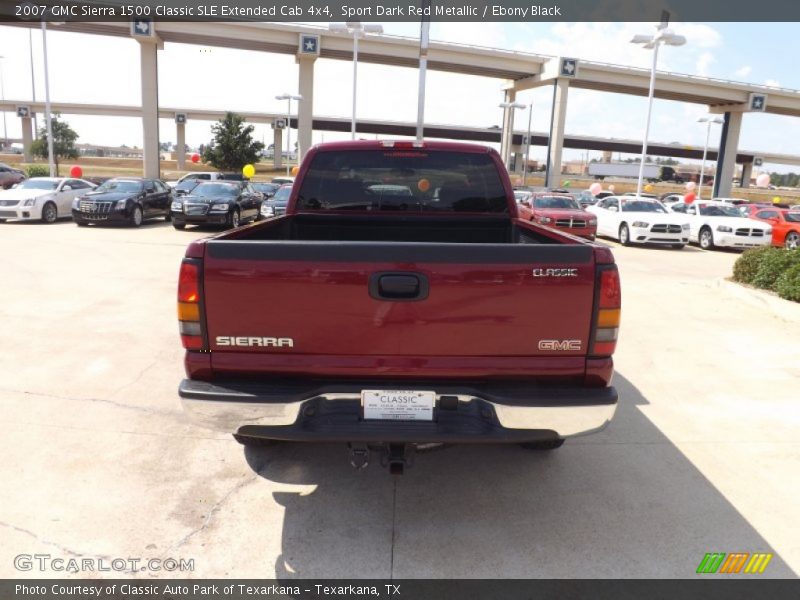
x=186 y=186
x=267 y=189
x=227 y=203
x=127 y=200
x=276 y=206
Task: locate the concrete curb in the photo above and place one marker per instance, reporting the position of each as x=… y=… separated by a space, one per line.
x=784 y=309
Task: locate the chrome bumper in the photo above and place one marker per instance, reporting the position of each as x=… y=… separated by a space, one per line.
x=569 y=415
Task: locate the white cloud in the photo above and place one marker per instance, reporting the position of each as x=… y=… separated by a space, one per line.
x=744 y=71
x=704 y=61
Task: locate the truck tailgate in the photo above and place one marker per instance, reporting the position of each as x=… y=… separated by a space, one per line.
x=472 y=300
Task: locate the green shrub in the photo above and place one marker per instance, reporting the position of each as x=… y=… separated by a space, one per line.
x=773 y=265
x=37 y=171
x=788 y=284
x=746 y=266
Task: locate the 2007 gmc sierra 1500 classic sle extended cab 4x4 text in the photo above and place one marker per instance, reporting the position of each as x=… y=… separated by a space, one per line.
x=400 y=302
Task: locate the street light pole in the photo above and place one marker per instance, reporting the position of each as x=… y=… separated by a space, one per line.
x=708 y=121
x=527 y=146
x=288 y=97
x=652 y=42
x=3 y=98
x=48 y=114
x=356 y=29
x=33 y=85
x=424 y=41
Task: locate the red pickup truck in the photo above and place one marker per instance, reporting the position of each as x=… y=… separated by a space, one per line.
x=400 y=302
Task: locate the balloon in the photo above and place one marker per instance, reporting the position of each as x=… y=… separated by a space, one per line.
x=76 y=172
x=648 y=188
x=423 y=185
x=762 y=180
x=567 y=183
x=611 y=188
x=248 y=171
x=690 y=186
x=689 y=198
x=595 y=188
x=195 y=158
x=776 y=200
x=295 y=170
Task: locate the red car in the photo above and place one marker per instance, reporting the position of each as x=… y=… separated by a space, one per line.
x=560 y=211
x=785 y=225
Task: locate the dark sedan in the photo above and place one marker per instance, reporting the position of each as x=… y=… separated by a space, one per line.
x=186 y=186
x=227 y=203
x=125 y=200
x=276 y=206
x=267 y=189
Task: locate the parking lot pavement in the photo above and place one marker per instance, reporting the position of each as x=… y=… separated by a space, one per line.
x=98 y=461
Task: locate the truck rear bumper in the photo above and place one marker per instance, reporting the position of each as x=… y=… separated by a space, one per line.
x=330 y=411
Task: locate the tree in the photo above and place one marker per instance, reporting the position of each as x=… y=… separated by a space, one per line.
x=64 y=138
x=233 y=146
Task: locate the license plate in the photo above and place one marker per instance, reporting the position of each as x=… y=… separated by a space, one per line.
x=398 y=405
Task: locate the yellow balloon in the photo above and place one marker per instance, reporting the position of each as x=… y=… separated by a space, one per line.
x=248 y=171
x=295 y=170
x=776 y=200
x=648 y=188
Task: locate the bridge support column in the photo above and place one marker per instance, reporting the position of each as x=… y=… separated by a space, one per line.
x=517 y=158
x=27 y=138
x=726 y=160
x=305 y=108
x=747 y=173
x=180 y=145
x=555 y=145
x=507 y=133
x=149 y=66
x=277 y=143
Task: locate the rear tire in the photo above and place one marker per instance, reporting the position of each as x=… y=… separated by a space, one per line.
x=252 y=442
x=624 y=235
x=792 y=241
x=179 y=225
x=49 y=213
x=543 y=445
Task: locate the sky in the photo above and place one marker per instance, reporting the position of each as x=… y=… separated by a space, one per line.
x=89 y=68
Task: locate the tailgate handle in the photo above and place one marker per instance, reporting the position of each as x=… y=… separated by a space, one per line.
x=399 y=286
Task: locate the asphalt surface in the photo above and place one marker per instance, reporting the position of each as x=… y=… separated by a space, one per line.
x=97 y=460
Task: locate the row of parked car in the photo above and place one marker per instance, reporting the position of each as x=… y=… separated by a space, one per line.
x=193 y=200
x=648 y=219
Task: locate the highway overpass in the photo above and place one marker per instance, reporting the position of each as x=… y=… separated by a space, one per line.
x=520 y=71
x=398 y=128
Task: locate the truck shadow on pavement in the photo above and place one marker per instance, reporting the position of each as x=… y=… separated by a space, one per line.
x=622 y=503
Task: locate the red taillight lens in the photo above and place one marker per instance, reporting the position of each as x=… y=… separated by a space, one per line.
x=610 y=292
x=190 y=321
x=607 y=315
x=188 y=286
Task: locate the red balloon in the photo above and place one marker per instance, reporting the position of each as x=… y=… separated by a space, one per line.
x=195 y=157
x=690 y=197
x=76 y=172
